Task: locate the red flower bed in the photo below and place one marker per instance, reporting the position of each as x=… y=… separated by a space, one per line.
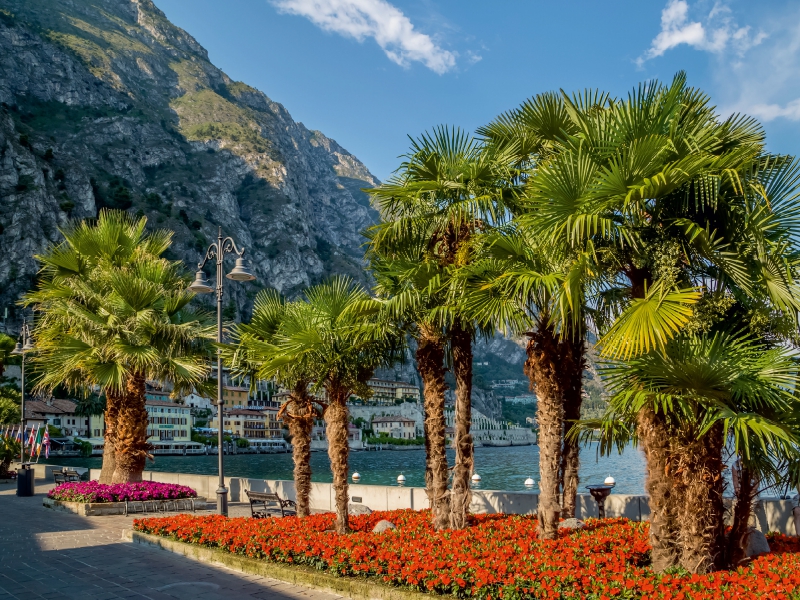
x=498 y=556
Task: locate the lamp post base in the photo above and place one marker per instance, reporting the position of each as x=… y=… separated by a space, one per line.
x=222 y=501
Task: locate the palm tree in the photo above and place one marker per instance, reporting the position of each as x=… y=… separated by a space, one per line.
x=112 y=315
x=523 y=287
x=715 y=391
x=444 y=194
x=410 y=294
x=685 y=217
x=342 y=344
x=253 y=355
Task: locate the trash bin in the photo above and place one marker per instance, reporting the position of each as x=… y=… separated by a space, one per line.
x=25 y=481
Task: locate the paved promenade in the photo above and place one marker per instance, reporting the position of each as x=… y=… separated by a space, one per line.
x=55 y=555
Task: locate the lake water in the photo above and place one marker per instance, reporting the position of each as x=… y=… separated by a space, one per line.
x=500 y=468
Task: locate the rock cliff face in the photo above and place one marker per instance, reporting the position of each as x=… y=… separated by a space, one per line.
x=105 y=103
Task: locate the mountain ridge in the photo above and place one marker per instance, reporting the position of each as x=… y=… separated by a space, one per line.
x=107 y=103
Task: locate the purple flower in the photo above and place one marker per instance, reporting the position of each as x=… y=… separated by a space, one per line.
x=95 y=492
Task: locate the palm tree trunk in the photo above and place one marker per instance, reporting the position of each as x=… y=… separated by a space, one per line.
x=573 y=365
x=541 y=367
x=301 y=423
x=461 y=342
x=430 y=362
x=700 y=510
x=737 y=539
x=336 y=417
x=659 y=485
x=110 y=416
x=131 y=440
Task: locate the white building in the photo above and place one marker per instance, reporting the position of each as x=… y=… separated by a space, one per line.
x=395 y=426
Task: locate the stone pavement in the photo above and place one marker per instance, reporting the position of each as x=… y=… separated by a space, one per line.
x=56 y=555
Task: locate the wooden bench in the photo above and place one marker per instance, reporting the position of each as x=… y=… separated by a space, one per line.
x=65 y=475
x=263 y=505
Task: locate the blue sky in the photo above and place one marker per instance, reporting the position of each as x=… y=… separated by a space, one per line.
x=368 y=73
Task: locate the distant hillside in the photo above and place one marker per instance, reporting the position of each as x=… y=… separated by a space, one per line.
x=107 y=103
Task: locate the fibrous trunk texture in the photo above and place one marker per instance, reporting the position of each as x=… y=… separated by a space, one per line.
x=131 y=432
x=430 y=362
x=110 y=416
x=655 y=442
x=299 y=414
x=542 y=369
x=336 y=418
x=573 y=366
x=461 y=496
x=737 y=539
x=699 y=465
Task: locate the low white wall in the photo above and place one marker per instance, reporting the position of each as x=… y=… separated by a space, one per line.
x=771 y=514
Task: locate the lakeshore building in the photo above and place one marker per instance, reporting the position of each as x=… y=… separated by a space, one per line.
x=167 y=422
x=395 y=426
x=388 y=393
x=250 y=424
x=58 y=413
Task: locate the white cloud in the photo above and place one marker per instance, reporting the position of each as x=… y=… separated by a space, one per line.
x=766 y=82
x=770 y=112
x=716 y=33
x=377 y=19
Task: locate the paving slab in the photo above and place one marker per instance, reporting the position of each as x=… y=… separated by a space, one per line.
x=50 y=554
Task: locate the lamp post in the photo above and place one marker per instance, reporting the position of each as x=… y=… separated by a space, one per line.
x=24 y=344
x=217 y=251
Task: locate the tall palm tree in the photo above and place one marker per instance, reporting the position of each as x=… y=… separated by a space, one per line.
x=255 y=354
x=444 y=194
x=112 y=315
x=534 y=134
x=342 y=344
x=410 y=293
x=682 y=212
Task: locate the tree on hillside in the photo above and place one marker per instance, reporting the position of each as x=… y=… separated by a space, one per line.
x=113 y=314
x=7 y=344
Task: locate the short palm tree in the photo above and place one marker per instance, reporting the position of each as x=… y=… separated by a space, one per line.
x=523 y=287
x=716 y=391
x=256 y=354
x=112 y=314
x=342 y=345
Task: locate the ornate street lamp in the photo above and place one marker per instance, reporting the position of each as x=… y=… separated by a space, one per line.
x=217 y=251
x=24 y=345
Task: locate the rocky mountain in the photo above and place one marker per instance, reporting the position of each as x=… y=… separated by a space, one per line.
x=105 y=103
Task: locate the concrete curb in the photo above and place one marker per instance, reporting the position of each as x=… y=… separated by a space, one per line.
x=349 y=587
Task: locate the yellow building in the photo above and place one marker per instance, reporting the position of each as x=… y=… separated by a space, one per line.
x=234 y=397
x=250 y=424
x=388 y=392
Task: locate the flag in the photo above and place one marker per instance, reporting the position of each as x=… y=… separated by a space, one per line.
x=46 y=444
x=39 y=436
x=31 y=439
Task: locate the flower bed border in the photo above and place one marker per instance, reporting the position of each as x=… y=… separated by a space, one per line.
x=102 y=509
x=350 y=587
